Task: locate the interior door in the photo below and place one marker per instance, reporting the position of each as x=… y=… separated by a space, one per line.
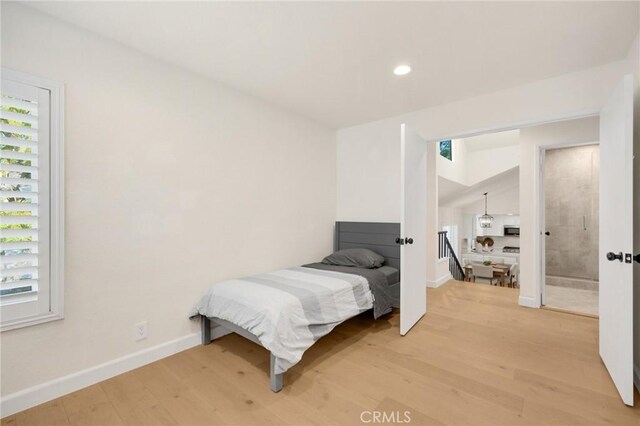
x=616 y=237
x=413 y=229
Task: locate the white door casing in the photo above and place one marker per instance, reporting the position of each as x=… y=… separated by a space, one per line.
x=616 y=236
x=413 y=225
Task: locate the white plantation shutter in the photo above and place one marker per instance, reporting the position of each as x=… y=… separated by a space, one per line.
x=25 y=203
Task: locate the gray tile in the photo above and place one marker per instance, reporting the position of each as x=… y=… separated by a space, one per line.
x=572 y=299
x=572 y=193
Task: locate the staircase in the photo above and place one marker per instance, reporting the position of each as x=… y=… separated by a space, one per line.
x=445 y=250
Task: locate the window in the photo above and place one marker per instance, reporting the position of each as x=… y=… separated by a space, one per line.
x=452 y=235
x=31 y=201
x=446 y=149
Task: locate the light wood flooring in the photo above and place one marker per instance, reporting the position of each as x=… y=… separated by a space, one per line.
x=476 y=358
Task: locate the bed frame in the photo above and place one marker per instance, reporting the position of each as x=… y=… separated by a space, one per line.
x=275 y=380
x=376 y=236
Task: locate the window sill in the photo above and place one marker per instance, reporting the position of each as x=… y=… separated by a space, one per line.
x=26 y=322
x=10 y=299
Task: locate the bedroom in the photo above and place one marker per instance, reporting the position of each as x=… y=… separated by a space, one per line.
x=184 y=169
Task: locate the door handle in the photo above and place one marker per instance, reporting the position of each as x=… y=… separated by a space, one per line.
x=636 y=258
x=547 y=233
x=611 y=256
x=402 y=241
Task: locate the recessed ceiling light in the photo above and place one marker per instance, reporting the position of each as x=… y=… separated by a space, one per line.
x=402 y=70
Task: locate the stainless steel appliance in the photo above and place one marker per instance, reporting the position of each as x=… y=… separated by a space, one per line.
x=511 y=231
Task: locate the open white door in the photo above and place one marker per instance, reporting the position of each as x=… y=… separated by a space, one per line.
x=413 y=229
x=616 y=237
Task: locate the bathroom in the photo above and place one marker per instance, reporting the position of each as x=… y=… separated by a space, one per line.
x=571 y=194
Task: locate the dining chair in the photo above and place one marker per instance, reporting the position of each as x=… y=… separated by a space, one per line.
x=483 y=272
x=467 y=273
x=514 y=271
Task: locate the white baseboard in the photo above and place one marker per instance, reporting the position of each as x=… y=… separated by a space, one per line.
x=437 y=283
x=636 y=376
x=27 y=398
x=529 y=302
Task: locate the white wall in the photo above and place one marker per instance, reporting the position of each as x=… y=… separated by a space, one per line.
x=369 y=173
x=501 y=202
x=456 y=170
x=432 y=213
x=487 y=163
x=531 y=139
x=369 y=154
x=173 y=182
x=470 y=167
x=442 y=272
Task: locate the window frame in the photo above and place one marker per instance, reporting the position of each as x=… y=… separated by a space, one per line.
x=56 y=200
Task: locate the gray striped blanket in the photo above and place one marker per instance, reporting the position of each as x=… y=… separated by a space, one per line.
x=287 y=310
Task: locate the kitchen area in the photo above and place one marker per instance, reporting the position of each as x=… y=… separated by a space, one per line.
x=491 y=248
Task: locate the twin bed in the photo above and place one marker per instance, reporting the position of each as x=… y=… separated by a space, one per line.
x=288 y=310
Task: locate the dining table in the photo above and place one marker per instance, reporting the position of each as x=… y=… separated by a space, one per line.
x=500 y=270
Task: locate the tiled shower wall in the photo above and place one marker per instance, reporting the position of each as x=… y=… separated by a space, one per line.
x=571 y=212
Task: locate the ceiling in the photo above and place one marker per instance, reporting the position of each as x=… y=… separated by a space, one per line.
x=492 y=140
x=452 y=194
x=333 y=61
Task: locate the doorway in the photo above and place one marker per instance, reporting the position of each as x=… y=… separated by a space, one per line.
x=615 y=280
x=571 y=216
x=478 y=208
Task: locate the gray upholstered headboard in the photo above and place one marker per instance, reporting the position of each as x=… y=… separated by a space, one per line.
x=377 y=236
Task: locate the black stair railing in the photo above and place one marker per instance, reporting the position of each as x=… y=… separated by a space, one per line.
x=445 y=250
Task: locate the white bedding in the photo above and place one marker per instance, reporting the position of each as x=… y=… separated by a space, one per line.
x=287 y=310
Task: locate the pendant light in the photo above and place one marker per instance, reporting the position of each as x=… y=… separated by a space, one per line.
x=486 y=219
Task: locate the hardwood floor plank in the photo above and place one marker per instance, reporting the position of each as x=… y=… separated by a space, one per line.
x=155 y=415
x=438 y=400
x=403 y=412
x=100 y=414
x=9 y=421
x=48 y=414
x=476 y=358
x=570 y=398
x=229 y=399
x=128 y=394
x=84 y=399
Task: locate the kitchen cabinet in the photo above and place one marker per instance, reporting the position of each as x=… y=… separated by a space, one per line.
x=512 y=220
x=497 y=228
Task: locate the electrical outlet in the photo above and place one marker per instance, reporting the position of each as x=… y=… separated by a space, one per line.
x=140 y=331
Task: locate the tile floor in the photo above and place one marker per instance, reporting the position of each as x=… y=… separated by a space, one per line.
x=572 y=299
